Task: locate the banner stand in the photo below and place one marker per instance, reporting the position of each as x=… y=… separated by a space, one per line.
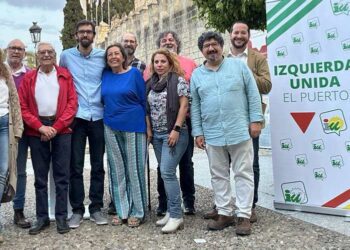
x=311 y=209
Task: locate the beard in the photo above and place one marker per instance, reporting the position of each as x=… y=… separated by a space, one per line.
x=130 y=51
x=85 y=43
x=239 y=46
x=170 y=47
x=212 y=56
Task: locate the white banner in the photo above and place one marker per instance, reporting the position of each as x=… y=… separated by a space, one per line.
x=309 y=59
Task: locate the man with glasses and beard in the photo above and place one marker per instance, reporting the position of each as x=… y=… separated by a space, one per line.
x=257 y=63
x=129 y=43
x=226 y=114
x=86 y=65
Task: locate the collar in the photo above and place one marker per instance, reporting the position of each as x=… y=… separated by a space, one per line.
x=86 y=56
x=208 y=69
x=244 y=53
x=51 y=72
x=133 y=60
x=21 y=70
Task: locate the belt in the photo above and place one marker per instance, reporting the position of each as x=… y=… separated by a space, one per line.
x=48 y=118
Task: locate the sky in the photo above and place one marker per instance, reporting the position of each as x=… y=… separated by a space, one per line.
x=16 y=17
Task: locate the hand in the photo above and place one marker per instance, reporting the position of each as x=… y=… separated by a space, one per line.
x=200 y=142
x=173 y=138
x=48 y=131
x=149 y=134
x=255 y=129
x=44 y=138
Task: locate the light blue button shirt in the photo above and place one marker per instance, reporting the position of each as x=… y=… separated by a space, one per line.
x=224 y=103
x=87 y=73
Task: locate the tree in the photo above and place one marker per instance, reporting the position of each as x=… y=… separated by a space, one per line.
x=30 y=58
x=73 y=13
x=221 y=14
x=117 y=7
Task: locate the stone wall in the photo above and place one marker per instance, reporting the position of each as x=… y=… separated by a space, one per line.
x=153 y=16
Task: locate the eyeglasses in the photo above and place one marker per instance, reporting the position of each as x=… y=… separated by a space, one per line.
x=43 y=52
x=82 y=32
x=129 y=41
x=207 y=45
x=14 y=48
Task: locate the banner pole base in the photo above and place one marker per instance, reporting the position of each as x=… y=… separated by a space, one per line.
x=311 y=209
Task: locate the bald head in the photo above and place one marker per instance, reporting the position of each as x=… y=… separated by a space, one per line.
x=15 y=54
x=16 y=42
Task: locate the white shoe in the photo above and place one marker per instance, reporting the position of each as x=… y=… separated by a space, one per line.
x=162 y=222
x=173 y=225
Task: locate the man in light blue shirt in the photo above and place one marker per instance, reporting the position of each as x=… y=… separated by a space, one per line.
x=86 y=65
x=226 y=113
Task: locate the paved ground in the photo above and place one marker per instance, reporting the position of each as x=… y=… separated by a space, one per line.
x=274 y=230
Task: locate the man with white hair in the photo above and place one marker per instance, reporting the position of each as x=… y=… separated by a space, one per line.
x=49 y=103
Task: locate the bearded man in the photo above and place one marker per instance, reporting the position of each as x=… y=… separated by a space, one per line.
x=129 y=43
x=240 y=35
x=86 y=65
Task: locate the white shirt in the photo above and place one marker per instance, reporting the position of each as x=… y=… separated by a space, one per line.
x=4 y=98
x=243 y=56
x=46 y=92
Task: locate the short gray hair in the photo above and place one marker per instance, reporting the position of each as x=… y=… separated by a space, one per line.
x=45 y=43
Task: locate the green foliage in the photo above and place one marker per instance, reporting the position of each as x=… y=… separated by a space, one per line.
x=73 y=13
x=30 y=58
x=117 y=7
x=120 y=7
x=220 y=14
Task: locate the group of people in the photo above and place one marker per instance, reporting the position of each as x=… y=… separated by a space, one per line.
x=117 y=103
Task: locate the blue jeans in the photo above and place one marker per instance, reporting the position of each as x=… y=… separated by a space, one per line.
x=19 y=199
x=186 y=175
x=4 y=151
x=168 y=158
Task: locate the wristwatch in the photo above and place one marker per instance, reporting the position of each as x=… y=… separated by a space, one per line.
x=177 y=128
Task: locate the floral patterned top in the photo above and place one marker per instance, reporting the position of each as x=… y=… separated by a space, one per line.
x=157 y=103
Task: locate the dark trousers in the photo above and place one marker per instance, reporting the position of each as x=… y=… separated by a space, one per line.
x=256 y=169
x=186 y=175
x=56 y=151
x=93 y=130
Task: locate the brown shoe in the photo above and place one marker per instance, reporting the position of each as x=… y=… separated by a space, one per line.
x=222 y=222
x=253 y=217
x=211 y=215
x=20 y=220
x=243 y=226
